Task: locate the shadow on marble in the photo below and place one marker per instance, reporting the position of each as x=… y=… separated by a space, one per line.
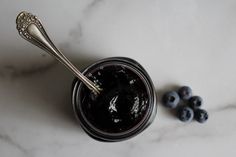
x=57 y=84
x=43 y=94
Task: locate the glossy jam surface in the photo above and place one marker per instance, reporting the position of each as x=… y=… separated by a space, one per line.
x=122 y=103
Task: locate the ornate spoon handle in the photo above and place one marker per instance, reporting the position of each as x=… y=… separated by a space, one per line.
x=31 y=29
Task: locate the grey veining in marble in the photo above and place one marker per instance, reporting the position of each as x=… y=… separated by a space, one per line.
x=186 y=42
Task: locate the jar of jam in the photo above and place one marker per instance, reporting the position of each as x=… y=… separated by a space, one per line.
x=126 y=104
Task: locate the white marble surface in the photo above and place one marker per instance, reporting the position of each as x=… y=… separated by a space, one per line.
x=188 y=42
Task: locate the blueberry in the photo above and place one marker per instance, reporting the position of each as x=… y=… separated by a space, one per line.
x=185 y=114
x=185 y=92
x=201 y=115
x=171 y=99
x=195 y=102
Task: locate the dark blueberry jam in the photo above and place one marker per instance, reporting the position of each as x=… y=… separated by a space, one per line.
x=121 y=105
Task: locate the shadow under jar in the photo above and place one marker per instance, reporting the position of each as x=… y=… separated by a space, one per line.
x=125 y=106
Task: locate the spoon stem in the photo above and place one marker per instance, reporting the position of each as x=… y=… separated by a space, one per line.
x=31 y=29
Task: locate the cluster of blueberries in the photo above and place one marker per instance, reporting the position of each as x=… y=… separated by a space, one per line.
x=190 y=107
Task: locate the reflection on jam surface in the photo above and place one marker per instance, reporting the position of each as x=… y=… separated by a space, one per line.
x=122 y=103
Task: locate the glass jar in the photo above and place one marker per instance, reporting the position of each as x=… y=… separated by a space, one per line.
x=88 y=120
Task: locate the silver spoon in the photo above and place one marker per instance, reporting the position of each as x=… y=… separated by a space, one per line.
x=31 y=29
